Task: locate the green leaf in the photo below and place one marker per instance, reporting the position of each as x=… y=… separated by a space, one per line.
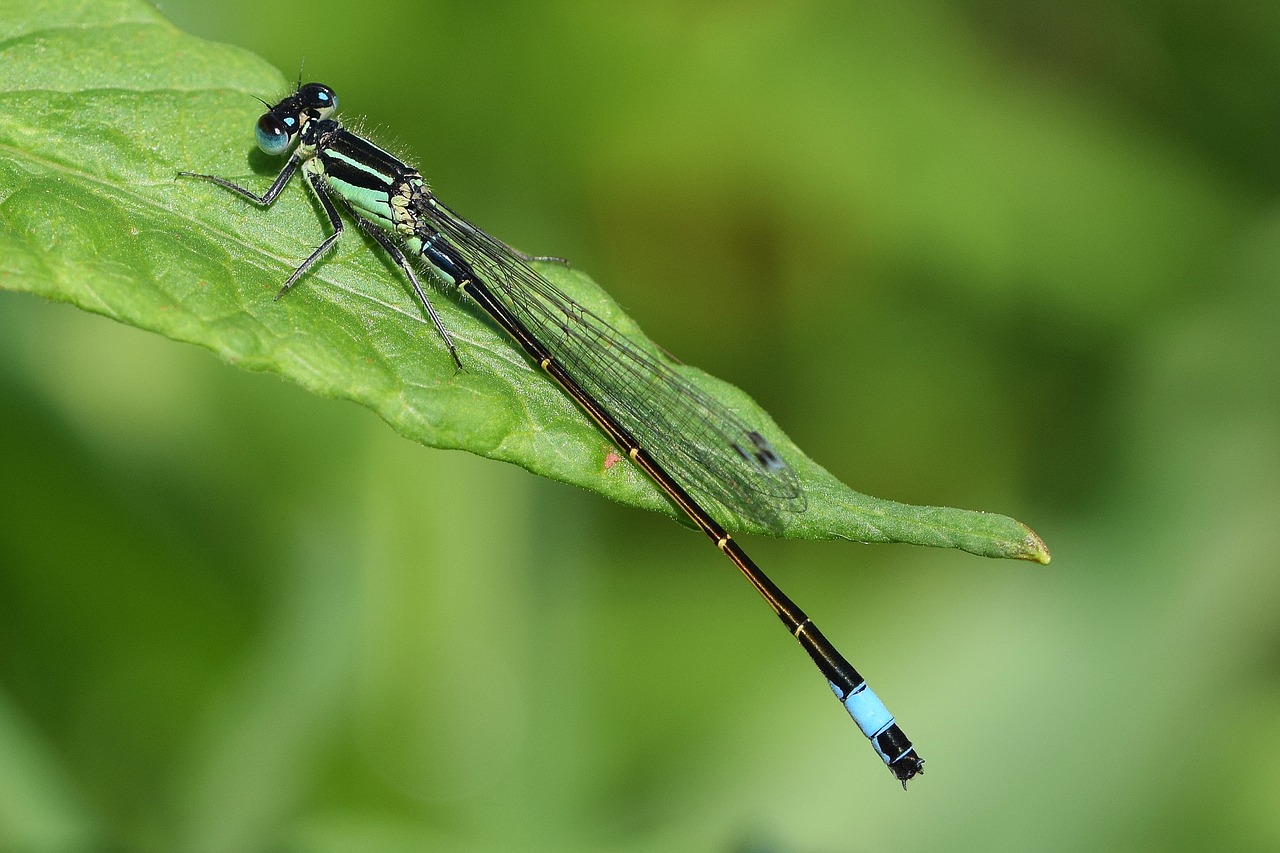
x=102 y=104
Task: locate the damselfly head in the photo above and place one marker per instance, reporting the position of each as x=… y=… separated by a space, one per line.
x=280 y=125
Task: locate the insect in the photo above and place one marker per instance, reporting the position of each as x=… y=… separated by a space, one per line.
x=699 y=452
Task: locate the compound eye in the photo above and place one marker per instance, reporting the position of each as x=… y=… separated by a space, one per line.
x=319 y=97
x=274 y=133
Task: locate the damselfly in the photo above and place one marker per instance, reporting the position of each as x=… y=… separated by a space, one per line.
x=702 y=455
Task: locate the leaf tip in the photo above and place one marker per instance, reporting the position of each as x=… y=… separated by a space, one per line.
x=1034 y=549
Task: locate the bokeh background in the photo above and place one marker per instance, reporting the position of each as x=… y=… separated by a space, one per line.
x=1021 y=257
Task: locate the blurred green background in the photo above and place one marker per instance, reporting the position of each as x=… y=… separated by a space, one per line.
x=1020 y=257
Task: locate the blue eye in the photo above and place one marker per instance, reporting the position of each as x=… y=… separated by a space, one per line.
x=319 y=97
x=274 y=133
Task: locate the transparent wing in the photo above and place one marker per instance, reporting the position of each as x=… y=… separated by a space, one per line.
x=709 y=449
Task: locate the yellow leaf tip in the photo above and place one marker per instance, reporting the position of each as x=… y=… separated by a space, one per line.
x=1035 y=549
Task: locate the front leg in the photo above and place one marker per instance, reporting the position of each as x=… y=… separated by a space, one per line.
x=273 y=192
x=266 y=198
